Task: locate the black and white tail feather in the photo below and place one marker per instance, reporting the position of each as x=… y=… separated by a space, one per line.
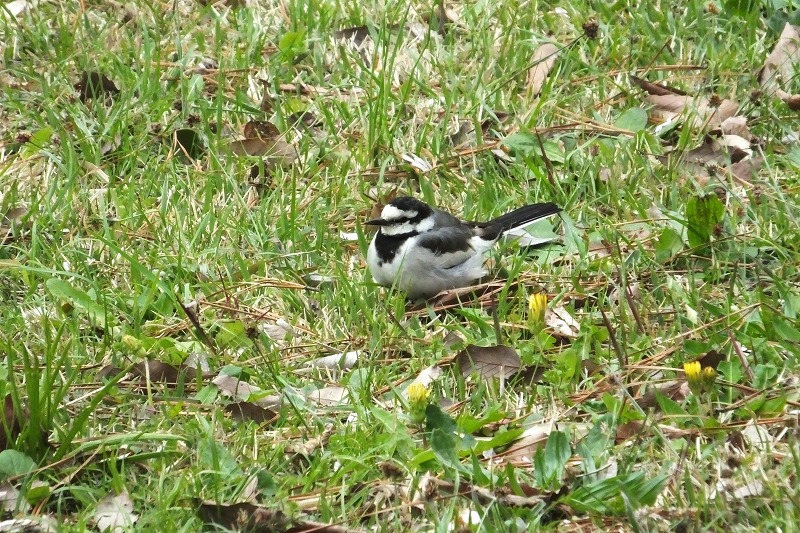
x=423 y=250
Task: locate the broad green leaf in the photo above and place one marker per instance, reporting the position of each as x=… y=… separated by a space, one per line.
x=233 y=333
x=15 y=463
x=703 y=215
x=435 y=418
x=77 y=298
x=36 y=142
x=444 y=446
x=668 y=245
x=669 y=406
x=528 y=144
x=633 y=119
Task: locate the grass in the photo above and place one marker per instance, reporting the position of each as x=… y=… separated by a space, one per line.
x=121 y=249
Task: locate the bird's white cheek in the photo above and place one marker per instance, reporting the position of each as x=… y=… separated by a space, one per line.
x=398 y=229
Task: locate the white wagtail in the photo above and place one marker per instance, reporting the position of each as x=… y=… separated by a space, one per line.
x=423 y=251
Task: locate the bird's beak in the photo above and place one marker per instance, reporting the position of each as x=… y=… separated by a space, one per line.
x=376 y=222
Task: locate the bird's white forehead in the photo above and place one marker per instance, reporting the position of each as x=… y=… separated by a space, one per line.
x=391 y=212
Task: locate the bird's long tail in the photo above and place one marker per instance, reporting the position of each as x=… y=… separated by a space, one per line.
x=518 y=217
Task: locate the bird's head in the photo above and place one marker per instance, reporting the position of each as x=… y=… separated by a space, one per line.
x=403 y=216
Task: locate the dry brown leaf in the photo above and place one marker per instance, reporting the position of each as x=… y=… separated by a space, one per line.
x=9 y=496
x=736 y=125
x=674 y=390
x=488 y=361
x=543 y=60
x=309 y=446
x=746 y=169
x=780 y=66
x=431 y=488
x=233 y=387
x=328 y=396
x=522 y=450
x=13 y=8
x=242 y=516
x=94 y=85
x=114 y=513
x=720 y=153
x=263 y=139
x=561 y=322
x=258 y=519
x=247 y=411
x=160 y=371
x=38 y=524
x=700 y=112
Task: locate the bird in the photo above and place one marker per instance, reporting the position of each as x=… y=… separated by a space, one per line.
x=423 y=250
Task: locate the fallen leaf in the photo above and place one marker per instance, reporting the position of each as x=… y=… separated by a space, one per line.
x=40 y=524
x=544 y=57
x=258 y=519
x=115 y=513
x=329 y=396
x=561 y=322
x=243 y=517
x=94 y=85
x=674 y=390
x=736 y=125
x=428 y=376
x=780 y=66
x=488 y=361
x=188 y=142
x=698 y=111
x=337 y=361
x=159 y=371
x=233 y=387
x=522 y=450
x=9 y=496
x=247 y=411
x=13 y=8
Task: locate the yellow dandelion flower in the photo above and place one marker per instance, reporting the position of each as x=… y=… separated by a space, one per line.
x=709 y=377
x=418 y=396
x=537 y=305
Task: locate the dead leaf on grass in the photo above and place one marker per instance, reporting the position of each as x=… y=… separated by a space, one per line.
x=13 y=8
x=159 y=371
x=329 y=396
x=543 y=60
x=233 y=387
x=263 y=139
x=309 y=446
x=700 y=112
x=781 y=65
x=336 y=362
x=247 y=411
x=522 y=450
x=717 y=155
x=10 y=220
x=9 y=496
x=561 y=322
x=39 y=524
x=488 y=361
x=258 y=519
x=674 y=390
x=114 y=513
x=94 y=85
x=243 y=517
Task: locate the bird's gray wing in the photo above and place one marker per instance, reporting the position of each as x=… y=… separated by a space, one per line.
x=450 y=244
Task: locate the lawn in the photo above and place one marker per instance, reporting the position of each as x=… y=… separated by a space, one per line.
x=190 y=337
